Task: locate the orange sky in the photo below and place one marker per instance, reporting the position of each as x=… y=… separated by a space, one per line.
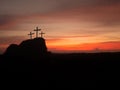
x=70 y=25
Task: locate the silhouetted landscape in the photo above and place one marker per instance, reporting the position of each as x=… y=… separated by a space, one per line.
x=31 y=62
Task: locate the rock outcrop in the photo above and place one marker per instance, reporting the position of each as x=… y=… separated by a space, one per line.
x=29 y=47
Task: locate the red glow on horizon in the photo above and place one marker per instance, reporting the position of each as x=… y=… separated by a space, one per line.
x=86 y=47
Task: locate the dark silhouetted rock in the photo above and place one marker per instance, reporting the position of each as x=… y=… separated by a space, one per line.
x=12 y=50
x=29 y=47
x=34 y=46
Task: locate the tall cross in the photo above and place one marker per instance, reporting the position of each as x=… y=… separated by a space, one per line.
x=37 y=31
x=30 y=34
x=41 y=34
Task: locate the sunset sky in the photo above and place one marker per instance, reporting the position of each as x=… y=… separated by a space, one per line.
x=70 y=25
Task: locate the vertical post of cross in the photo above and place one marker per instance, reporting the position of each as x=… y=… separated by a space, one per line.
x=37 y=30
x=30 y=34
x=41 y=34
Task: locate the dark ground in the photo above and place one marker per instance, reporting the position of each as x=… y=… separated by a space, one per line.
x=92 y=70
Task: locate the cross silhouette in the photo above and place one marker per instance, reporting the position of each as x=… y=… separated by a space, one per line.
x=37 y=31
x=30 y=34
x=41 y=34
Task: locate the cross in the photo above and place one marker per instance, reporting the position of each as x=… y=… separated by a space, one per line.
x=41 y=34
x=30 y=34
x=37 y=31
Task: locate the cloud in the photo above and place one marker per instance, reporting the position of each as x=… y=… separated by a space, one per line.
x=8 y=22
x=47 y=6
x=4 y=19
x=69 y=36
x=53 y=40
x=61 y=10
x=70 y=4
x=28 y=6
